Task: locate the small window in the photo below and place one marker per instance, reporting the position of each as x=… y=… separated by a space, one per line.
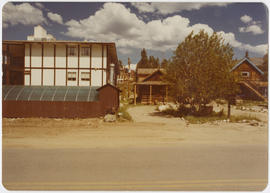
x=72 y=51
x=71 y=76
x=85 y=51
x=245 y=74
x=85 y=76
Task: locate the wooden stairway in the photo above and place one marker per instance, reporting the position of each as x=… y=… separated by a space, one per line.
x=253 y=89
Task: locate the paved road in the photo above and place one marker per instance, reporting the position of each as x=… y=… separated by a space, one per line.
x=188 y=167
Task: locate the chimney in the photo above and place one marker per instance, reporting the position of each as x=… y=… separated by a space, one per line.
x=129 y=61
x=246 y=54
x=112 y=74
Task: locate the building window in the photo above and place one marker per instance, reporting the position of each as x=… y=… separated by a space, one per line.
x=245 y=74
x=85 y=51
x=85 y=76
x=72 y=51
x=71 y=76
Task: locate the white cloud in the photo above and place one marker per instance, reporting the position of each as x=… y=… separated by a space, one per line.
x=39 y=5
x=255 y=29
x=143 y=7
x=253 y=26
x=23 y=13
x=55 y=17
x=262 y=48
x=246 y=19
x=114 y=22
x=125 y=51
x=170 y=7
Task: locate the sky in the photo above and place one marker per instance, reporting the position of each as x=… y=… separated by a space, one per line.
x=157 y=27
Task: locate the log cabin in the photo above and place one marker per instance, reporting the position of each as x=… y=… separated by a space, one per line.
x=150 y=88
x=250 y=76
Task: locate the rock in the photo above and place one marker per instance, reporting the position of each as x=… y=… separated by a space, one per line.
x=254 y=123
x=162 y=108
x=173 y=106
x=110 y=118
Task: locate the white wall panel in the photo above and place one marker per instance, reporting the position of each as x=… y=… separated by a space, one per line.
x=48 y=55
x=96 y=56
x=84 y=61
x=60 y=60
x=36 y=77
x=73 y=60
x=27 y=56
x=36 y=55
x=27 y=79
x=96 y=78
x=60 y=78
x=105 y=57
x=48 y=77
x=104 y=77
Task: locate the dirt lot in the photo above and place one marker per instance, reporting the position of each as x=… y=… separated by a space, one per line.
x=146 y=130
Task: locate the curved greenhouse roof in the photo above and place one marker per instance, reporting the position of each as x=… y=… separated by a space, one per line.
x=49 y=93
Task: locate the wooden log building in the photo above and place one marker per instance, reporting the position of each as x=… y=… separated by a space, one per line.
x=149 y=87
x=252 y=85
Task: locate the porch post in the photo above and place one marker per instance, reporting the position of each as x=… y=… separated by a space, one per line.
x=134 y=94
x=166 y=93
x=150 y=94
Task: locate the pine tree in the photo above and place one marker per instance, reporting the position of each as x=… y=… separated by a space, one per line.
x=143 y=63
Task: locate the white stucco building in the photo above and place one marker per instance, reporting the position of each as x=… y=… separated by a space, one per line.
x=59 y=63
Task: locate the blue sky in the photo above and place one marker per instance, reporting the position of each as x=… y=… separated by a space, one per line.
x=158 y=27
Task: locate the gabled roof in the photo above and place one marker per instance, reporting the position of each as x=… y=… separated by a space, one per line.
x=151 y=75
x=147 y=70
x=250 y=62
x=108 y=84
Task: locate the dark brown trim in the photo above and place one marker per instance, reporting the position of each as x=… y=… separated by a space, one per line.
x=42 y=55
x=54 y=64
x=90 y=65
x=59 y=68
x=102 y=64
x=107 y=70
x=30 y=50
x=24 y=64
x=66 y=63
x=78 y=81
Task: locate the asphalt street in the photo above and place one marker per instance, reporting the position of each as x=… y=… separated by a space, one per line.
x=187 y=167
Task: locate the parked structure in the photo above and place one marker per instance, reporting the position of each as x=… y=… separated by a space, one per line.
x=150 y=87
x=59 y=101
x=250 y=77
x=45 y=65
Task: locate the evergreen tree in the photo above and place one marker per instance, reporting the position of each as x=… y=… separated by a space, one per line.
x=164 y=63
x=143 y=63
